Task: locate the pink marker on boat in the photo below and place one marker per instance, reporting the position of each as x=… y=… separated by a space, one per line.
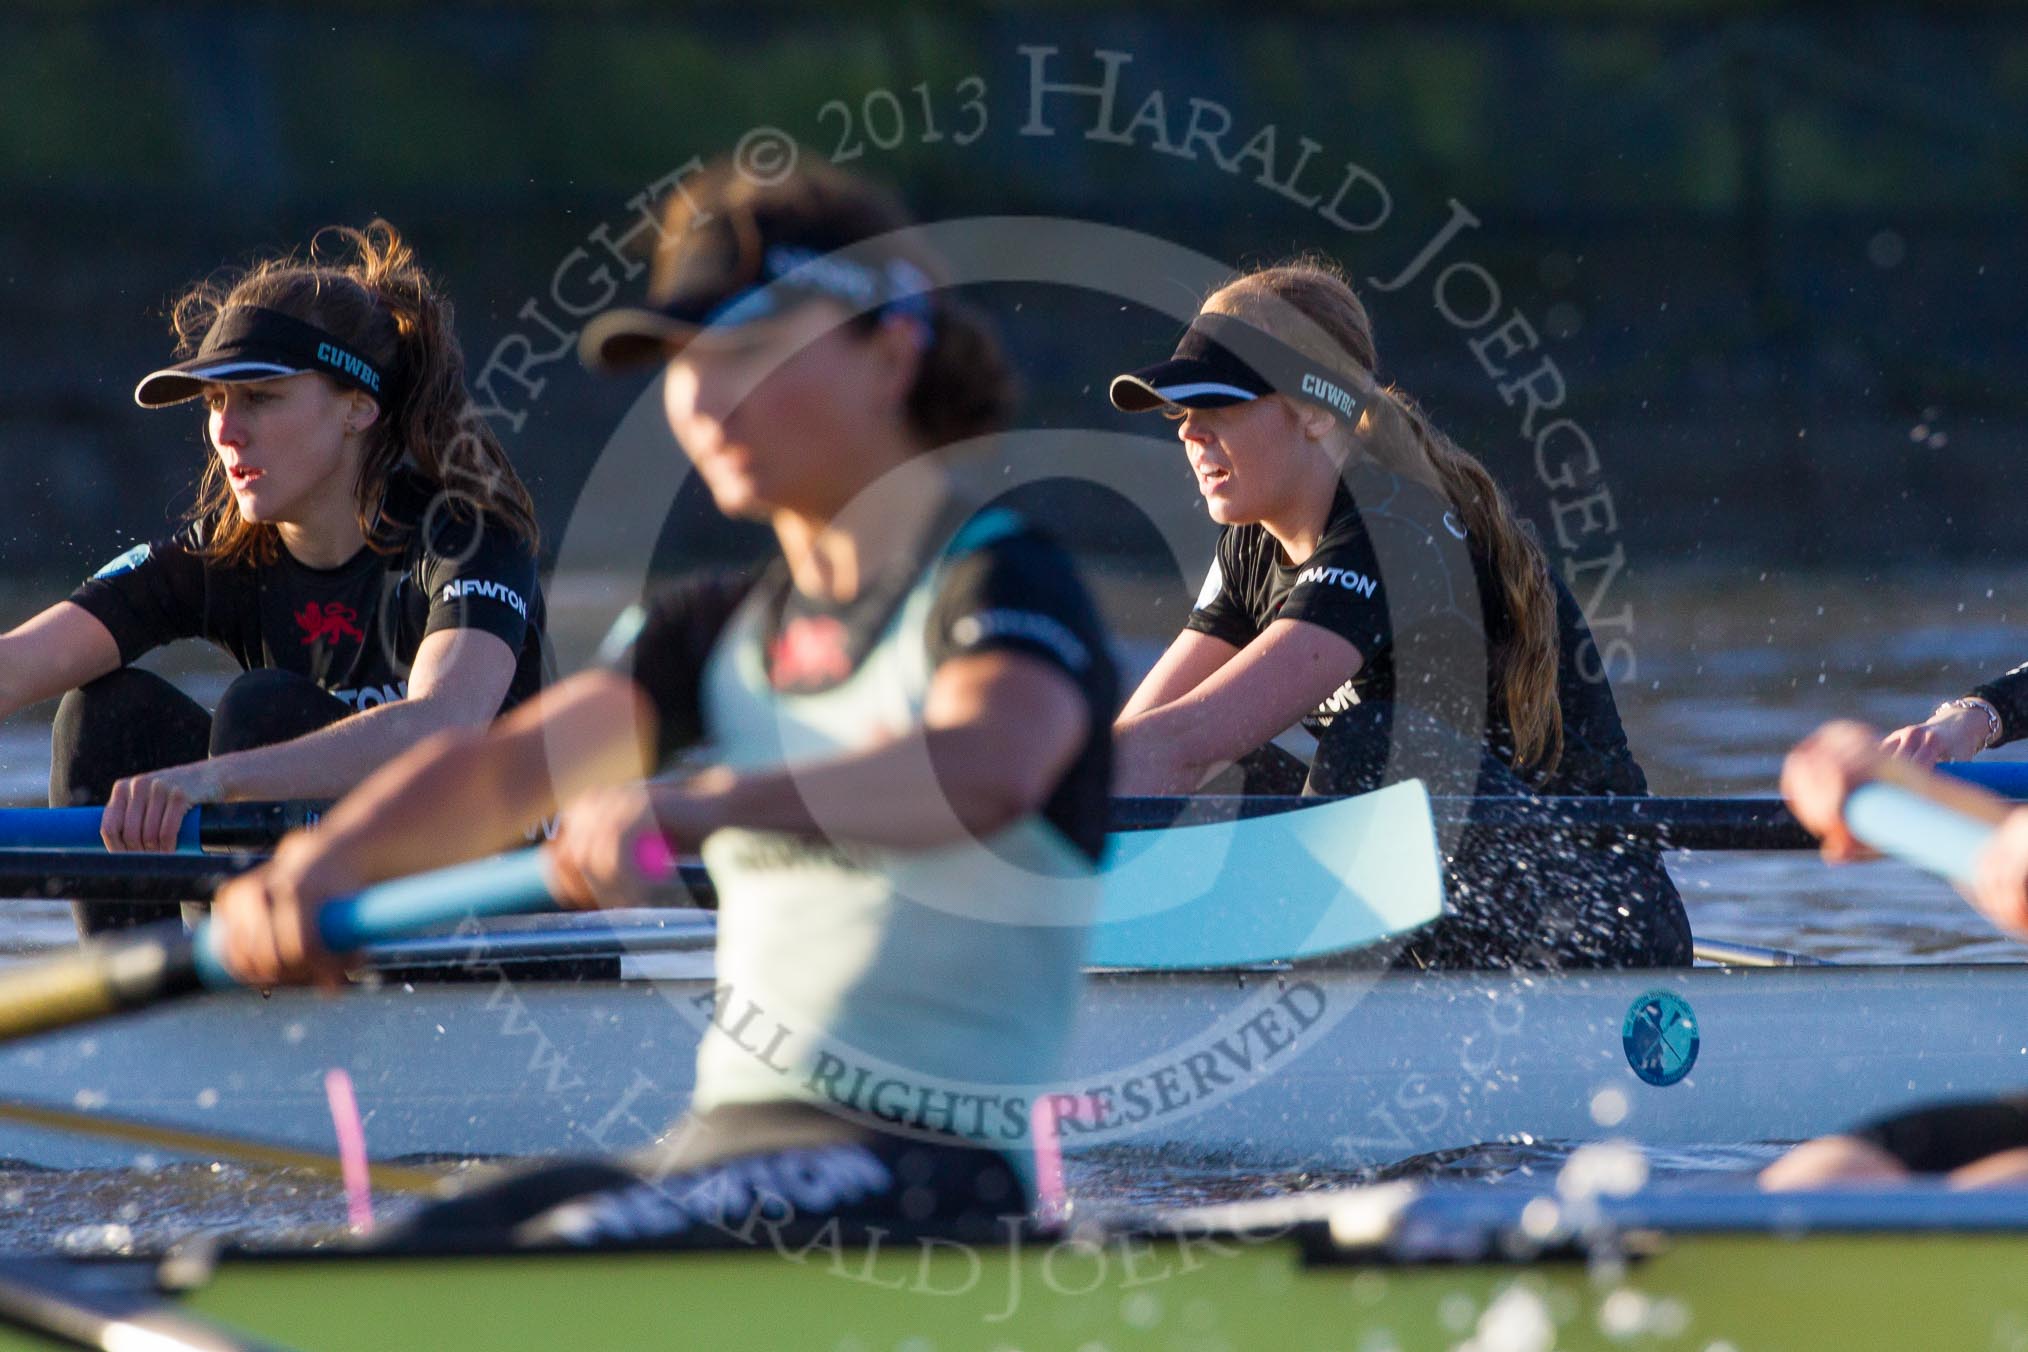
x=1052 y=1198
x=351 y=1148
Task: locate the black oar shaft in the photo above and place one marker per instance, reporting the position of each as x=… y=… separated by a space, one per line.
x=254 y=826
x=1671 y=823
x=1674 y=823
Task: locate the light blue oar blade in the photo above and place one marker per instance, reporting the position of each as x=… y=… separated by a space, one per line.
x=1916 y=831
x=70 y=828
x=1345 y=874
x=2009 y=779
x=507 y=884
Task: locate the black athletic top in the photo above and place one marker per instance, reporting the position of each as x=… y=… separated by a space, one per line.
x=1018 y=592
x=353 y=629
x=1388 y=577
x=2009 y=695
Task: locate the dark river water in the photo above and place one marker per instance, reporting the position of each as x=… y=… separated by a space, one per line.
x=1728 y=668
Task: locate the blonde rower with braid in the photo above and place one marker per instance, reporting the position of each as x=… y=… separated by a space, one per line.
x=1374 y=590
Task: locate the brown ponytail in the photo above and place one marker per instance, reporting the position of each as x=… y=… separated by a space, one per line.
x=1309 y=304
x=373 y=296
x=964 y=387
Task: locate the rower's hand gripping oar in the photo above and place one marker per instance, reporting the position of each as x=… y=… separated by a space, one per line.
x=163 y=962
x=1938 y=823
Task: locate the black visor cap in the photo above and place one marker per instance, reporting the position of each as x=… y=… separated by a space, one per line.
x=249 y=342
x=1222 y=360
x=740 y=267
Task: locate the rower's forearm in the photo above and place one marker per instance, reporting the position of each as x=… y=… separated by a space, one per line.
x=56 y=651
x=469 y=793
x=459 y=795
x=333 y=760
x=1168 y=750
x=915 y=793
x=17 y=689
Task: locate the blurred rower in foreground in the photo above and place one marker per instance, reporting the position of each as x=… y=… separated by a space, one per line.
x=905 y=719
x=1972 y=1143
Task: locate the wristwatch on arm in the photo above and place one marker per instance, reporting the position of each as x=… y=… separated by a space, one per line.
x=1983 y=706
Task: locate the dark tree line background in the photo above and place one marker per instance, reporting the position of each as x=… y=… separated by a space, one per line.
x=1775 y=254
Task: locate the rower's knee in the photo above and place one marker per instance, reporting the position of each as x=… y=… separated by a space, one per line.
x=2002 y=1169
x=1830 y=1161
x=123 y=723
x=265 y=706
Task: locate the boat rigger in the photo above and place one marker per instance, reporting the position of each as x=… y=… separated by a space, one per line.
x=1314 y=1068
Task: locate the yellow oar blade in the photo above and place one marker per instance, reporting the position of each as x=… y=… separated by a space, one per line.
x=55 y=993
x=180 y=1140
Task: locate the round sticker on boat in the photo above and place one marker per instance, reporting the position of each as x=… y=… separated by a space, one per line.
x=1660 y=1035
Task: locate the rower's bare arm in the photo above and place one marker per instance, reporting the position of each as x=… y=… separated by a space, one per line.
x=1955 y=732
x=458 y=680
x=1182 y=667
x=1276 y=679
x=460 y=795
x=57 y=650
x=469 y=792
x=999 y=730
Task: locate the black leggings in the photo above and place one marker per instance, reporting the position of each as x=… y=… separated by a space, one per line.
x=743 y=1172
x=1550 y=899
x=133 y=721
x=1940 y=1137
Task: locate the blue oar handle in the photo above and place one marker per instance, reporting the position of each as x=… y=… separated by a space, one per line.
x=2009 y=779
x=227 y=826
x=1917 y=831
x=507 y=884
x=73 y=828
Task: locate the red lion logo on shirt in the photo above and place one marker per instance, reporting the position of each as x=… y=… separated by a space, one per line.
x=809 y=651
x=328 y=623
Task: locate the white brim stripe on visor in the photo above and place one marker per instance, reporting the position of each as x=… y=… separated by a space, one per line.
x=252 y=342
x=241 y=369
x=160 y=389
x=1176 y=394
x=1223 y=360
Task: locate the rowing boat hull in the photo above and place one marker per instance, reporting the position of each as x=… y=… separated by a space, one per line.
x=1318 y=1070
x=1834 y=1294
x=1763 y=1279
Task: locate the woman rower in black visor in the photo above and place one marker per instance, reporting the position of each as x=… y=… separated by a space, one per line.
x=1373 y=586
x=360 y=546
